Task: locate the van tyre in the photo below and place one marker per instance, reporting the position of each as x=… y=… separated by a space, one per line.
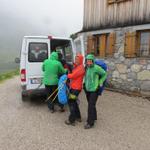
x=23 y=97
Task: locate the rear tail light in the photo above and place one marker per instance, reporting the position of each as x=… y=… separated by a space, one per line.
x=23 y=75
x=49 y=37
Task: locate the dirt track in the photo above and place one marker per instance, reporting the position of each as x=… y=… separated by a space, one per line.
x=123 y=124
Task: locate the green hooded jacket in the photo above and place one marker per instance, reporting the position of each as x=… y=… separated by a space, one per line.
x=92 y=80
x=52 y=69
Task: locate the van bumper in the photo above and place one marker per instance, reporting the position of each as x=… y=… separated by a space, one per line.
x=32 y=92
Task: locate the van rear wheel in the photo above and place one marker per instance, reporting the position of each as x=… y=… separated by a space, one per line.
x=23 y=97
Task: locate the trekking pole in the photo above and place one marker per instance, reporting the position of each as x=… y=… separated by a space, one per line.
x=51 y=95
x=54 y=98
x=61 y=86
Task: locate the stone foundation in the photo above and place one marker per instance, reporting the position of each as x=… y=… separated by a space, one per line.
x=127 y=75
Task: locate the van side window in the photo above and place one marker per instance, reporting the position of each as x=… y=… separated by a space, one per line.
x=38 y=52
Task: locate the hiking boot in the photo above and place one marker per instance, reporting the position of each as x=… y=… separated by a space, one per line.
x=67 y=122
x=79 y=119
x=88 y=126
x=62 y=110
x=52 y=110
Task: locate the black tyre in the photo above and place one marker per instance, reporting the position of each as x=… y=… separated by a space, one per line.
x=23 y=97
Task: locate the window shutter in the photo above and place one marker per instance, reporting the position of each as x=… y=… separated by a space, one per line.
x=111 y=44
x=91 y=44
x=134 y=44
x=130 y=45
x=138 y=43
x=116 y=1
x=127 y=44
x=102 y=45
x=111 y=1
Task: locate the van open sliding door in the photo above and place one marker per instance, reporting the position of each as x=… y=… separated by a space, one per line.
x=79 y=45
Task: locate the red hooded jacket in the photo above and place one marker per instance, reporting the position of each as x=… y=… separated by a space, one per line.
x=77 y=75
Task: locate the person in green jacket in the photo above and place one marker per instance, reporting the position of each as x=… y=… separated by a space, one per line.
x=52 y=69
x=94 y=78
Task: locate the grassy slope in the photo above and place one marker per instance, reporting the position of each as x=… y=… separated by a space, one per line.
x=8 y=75
x=7 y=67
x=7 y=61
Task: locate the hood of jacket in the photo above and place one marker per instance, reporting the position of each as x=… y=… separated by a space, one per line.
x=80 y=58
x=54 y=56
x=91 y=57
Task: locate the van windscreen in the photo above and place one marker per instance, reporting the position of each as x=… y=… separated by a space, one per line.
x=64 y=49
x=38 y=52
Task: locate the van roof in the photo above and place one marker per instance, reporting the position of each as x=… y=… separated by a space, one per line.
x=46 y=37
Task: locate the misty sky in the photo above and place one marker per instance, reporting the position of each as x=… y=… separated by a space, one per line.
x=37 y=17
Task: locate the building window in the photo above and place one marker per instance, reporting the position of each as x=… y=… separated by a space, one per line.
x=101 y=45
x=116 y=1
x=137 y=44
x=144 y=45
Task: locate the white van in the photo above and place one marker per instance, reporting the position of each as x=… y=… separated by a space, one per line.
x=35 y=49
x=79 y=45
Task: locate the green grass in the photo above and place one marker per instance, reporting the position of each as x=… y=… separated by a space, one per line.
x=6 y=67
x=8 y=75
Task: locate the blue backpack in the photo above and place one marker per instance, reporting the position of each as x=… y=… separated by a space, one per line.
x=103 y=65
x=62 y=90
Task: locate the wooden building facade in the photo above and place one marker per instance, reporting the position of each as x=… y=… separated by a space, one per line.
x=100 y=14
x=118 y=31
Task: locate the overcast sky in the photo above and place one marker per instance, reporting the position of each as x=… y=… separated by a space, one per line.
x=58 y=17
x=37 y=17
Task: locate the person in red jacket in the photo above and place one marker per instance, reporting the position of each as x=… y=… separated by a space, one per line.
x=76 y=79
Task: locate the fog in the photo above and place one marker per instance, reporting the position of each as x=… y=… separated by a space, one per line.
x=36 y=17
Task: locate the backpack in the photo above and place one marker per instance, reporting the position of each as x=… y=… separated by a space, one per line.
x=62 y=90
x=103 y=65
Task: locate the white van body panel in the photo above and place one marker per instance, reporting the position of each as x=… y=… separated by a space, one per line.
x=23 y=58
x=34 y=69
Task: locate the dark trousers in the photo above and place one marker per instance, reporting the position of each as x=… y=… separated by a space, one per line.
x=92 y=113
x=49 y=90
x=74 y=107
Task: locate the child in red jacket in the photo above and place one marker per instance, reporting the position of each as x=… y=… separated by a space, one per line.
x=76 y=79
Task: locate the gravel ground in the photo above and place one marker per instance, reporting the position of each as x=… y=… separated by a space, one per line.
x=123 y=123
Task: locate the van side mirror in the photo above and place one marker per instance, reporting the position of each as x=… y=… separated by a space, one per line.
x=17 y=60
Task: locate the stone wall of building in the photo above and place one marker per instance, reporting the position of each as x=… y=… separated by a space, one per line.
x=130 y=75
